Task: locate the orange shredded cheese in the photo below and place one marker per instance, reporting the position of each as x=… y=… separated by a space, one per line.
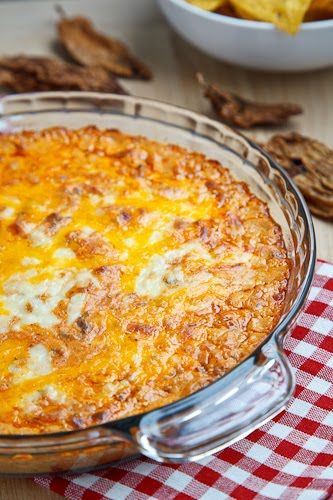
x=132 y=273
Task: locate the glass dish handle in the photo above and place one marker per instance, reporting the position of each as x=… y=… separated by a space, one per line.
x=222 y=413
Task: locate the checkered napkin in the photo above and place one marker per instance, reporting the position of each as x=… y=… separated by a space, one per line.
x=288 y=458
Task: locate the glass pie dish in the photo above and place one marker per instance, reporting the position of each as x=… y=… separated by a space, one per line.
x=256 y=389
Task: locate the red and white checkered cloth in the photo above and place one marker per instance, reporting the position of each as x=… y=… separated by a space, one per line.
x=288 y=458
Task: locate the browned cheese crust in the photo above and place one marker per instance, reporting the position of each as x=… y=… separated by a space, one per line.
x=132 y=273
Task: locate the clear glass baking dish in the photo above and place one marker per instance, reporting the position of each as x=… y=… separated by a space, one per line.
x=254 y=391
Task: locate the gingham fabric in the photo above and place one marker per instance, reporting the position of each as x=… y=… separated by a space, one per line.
x=288 y=458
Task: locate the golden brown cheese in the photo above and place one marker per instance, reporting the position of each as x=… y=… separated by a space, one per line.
x=132 y=273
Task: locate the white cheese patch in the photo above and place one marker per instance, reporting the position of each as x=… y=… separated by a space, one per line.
x=161 y=271
x=203 y=194
x=36 y=234
x=84 y=277
x=149 y=217
x=39 y=238
x=124 y=255
x=14 y=165
x=27 y=227
x=156 y=236
x=39 y=362
x=160 y=232
x=30 y=403
x=64 y=253
x=112 y=387
x=94 y=199
x=174 y=194
x=37 y=207
x=109 y=199
x=87 y=230
x=159 y=223
x=31 y=303
x=75 y=306
x=54 y=394
x=7 y=213
x=174 y=276
x=30 y=261
x=150 y=280
x=4 y=322
x=237 y=256
x=130 y=242
x=144 y=192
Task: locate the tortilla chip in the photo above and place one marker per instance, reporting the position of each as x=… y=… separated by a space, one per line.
x=226 y=10
x=320 y=9
x=286 y=15
x=207 y=4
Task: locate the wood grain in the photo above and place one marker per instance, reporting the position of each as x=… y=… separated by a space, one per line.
x=174 y=63
x=24 y=489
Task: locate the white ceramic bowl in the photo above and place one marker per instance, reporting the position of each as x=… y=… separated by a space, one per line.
x=252 y=44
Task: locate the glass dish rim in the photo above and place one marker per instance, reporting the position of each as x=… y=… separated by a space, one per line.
x=282 y=325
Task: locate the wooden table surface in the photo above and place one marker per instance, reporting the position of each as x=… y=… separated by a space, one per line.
x=28 y=26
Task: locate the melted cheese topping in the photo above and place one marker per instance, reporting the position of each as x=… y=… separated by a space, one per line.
x=132 y=273
x=27 y=302
x=161 y=274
